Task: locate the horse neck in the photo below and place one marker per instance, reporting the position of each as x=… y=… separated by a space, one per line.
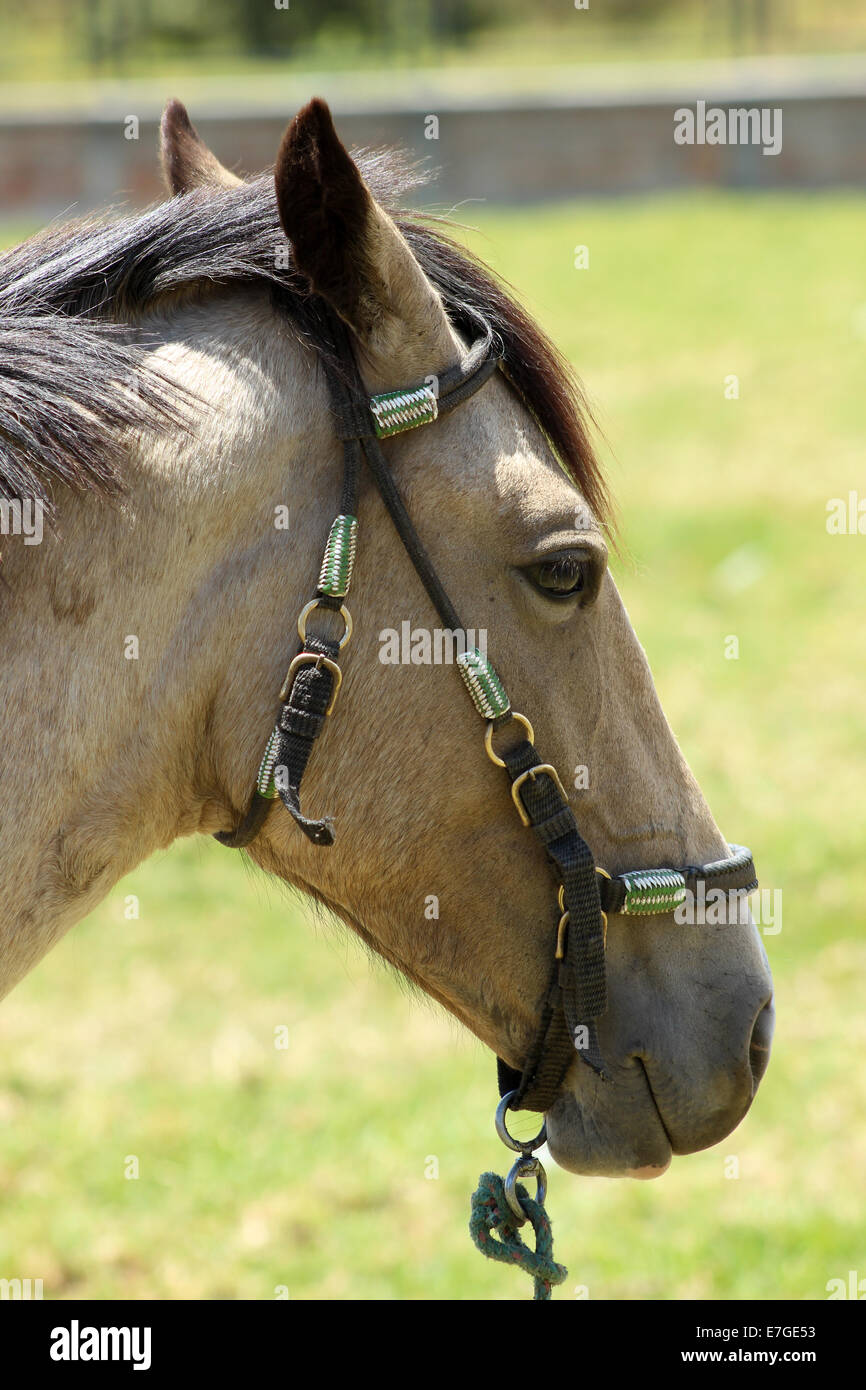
x=121 y=633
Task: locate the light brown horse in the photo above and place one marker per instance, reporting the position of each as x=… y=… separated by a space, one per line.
x=156 y=387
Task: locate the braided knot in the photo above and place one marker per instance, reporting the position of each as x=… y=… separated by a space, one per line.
x=491 y=1213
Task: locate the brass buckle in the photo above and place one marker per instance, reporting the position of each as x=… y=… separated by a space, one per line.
x=314 y=603
x=317 y=659
x=533 y=772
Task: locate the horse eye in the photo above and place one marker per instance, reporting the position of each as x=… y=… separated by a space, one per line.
x=561 y=576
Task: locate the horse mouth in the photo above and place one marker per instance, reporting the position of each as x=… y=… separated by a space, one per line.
x=633 y=1124
x=609 y=1129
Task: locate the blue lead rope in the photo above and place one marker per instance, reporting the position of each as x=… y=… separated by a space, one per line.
x=492 y=1231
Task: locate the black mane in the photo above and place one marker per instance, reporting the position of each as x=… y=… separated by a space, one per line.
x=73 y=360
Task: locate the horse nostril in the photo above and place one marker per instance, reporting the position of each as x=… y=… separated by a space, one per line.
x=762 y=1036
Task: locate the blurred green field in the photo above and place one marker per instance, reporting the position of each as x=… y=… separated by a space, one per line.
x=304 y=1167
x=125 y=39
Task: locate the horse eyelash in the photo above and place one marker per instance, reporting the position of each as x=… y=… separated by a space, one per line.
x=564 y=567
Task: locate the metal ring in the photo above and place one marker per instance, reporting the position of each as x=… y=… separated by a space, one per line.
x=526 y=1167
x=488 y=737
x=524 y=1146
x=604 y=873
x=314 y=603
x=559 y=954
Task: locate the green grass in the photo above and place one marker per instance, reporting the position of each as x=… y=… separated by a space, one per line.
x=305 y=1167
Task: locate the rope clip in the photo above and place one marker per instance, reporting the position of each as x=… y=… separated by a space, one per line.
x=526 y=1166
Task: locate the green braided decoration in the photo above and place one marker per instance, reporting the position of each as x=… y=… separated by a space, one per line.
x=648 y=891
x=396 y=411
x=485 y=687
x=491 y=1212
x=265 y=784
x=336 y=573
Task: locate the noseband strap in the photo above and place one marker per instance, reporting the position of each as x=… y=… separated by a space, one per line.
x=576 y=993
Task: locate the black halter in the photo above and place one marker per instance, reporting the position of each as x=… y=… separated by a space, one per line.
x=576 y=994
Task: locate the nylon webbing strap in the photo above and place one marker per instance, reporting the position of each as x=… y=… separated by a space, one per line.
x=300 y=723
x=305 y=708
x=577 y=993
x=249 y=827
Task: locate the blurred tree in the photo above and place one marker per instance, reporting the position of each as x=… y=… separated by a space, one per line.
x=42 y=38
x=92 y=32
x=111 y=29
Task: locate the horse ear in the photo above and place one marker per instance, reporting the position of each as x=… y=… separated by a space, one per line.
x=186 y=160
x=352 y=252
